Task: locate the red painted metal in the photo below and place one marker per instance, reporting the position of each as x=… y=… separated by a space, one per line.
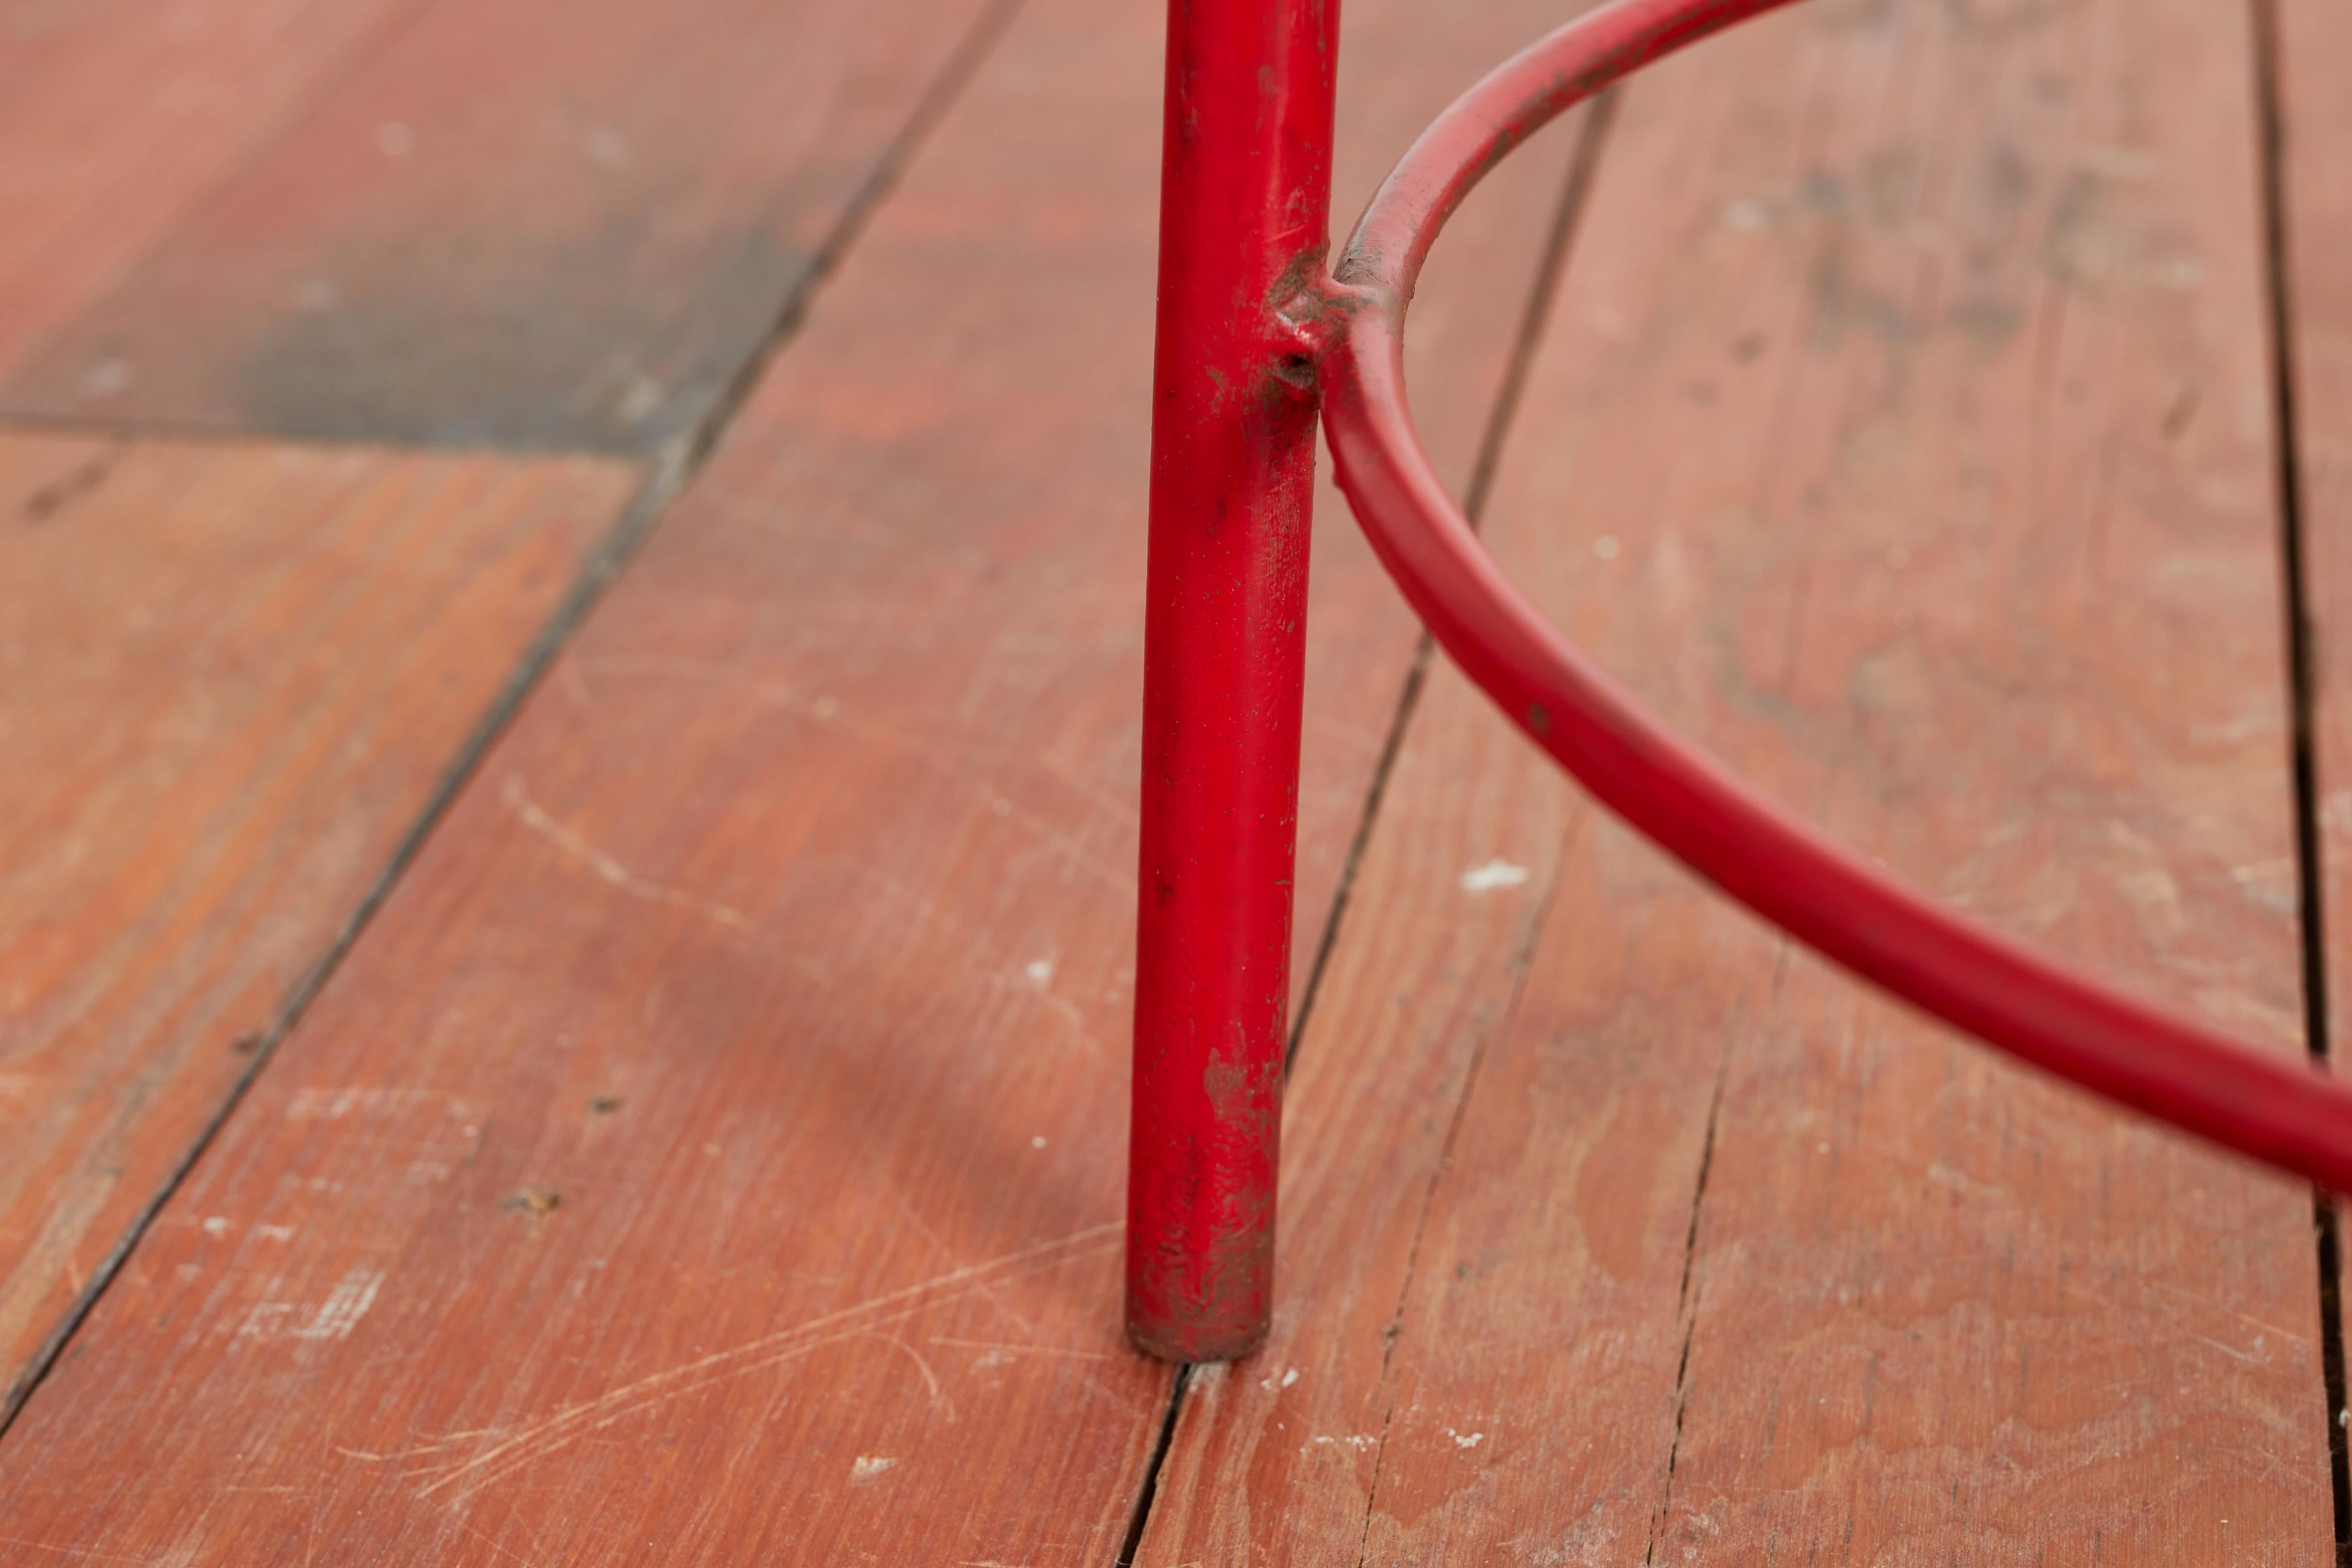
x=1245 y=210
x=1250 y=329
x=2285 y=1113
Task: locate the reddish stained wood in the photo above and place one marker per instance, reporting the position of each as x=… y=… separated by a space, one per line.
x=234 y=675
x=117 y=115
x=1903 y=428
x=537 y=223
x=716 y=1140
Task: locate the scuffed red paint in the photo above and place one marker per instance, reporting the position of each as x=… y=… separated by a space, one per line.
x=1245 y=200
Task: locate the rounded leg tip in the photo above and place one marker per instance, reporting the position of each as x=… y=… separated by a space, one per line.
x=1189 y=1345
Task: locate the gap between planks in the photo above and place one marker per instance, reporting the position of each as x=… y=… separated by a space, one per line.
x=673 y=469
x=2302 y=697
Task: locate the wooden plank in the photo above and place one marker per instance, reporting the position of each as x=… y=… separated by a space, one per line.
x=1902 y=429
x=717 y=1140
x=234 y=676
x=116 y=115
x=2311 y=45
x=550 y=224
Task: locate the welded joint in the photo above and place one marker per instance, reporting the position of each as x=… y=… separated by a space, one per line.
x=1307 y=321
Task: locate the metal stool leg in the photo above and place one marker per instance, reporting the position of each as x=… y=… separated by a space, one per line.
x=1245 y=207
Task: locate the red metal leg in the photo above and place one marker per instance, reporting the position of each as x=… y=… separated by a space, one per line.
x=1244 y=205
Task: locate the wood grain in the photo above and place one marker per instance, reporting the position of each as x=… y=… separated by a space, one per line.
x=716 y=1140
x=539 y=222
x=117 y=116
x=231 y=677
x=1903 y=428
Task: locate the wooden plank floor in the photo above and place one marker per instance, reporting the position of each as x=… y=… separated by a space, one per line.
x=703 y=1144
x=537 y=223
x=234 y=676
x=121 y=115
x=723 y=978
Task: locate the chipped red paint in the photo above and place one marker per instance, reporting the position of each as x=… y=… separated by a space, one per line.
x=1244 y=209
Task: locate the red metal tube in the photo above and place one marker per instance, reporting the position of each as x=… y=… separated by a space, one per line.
x=2282 y=1111
x=1245 y=210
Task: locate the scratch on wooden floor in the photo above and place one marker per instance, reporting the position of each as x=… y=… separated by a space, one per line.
x=931 y=1379
x=2234 y=1354
x=1009 y=1347
x=84 y=1552
x=955 y=767
x=534 y=1442
x=2246 y=1317
x=1116 y=807
x=501 y=1551
x=1088 y=1380
x=607 y=869
x=1035 y=981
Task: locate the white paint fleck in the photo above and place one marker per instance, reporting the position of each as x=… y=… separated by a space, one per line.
x=1494 y=874
x=264 y=1319
x=1465 y=1440
x=320 y=1102
x=641 y=401
x=1359 y=1441
x=1290 y=1377
x=395 y=140
x=217 y=1225
x=274 y=1232
x=2336 y=812
x=868 y=1466
x=1039 y=969
x=106 y=378
x=1038 y=1141
x=606 y=146
x=345 y=1305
